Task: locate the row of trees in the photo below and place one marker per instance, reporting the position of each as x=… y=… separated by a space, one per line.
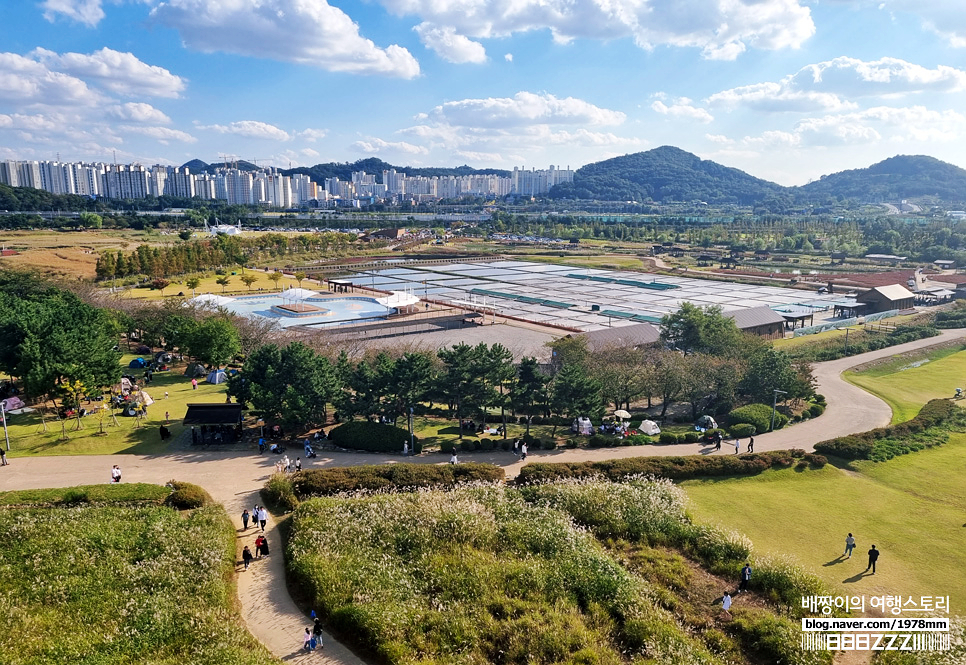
x=704 y=361
x=216 y=252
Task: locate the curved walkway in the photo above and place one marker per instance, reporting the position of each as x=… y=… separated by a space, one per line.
x=234 y=480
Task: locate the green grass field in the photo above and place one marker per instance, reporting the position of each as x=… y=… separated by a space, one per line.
x=208 y=285
x=28 y=438
x=906 y=383
x=116 y=583
x=912 y=508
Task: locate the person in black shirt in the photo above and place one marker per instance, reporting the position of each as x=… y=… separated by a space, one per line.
x=873 y=557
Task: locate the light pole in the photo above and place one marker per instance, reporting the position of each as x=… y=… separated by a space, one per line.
x=774 y=404
x=412 y=445
x=3 y=414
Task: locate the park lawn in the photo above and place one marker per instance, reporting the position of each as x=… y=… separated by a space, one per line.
x=913 y=508
x=28 y=439
x=907 y=382
x=125 y=581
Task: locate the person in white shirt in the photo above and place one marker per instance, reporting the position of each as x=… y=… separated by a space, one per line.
x=726 y=603
x=523 y=451
x=453 y=459
x=262 y=517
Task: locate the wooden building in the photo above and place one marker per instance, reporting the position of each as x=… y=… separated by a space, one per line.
x=885 y=298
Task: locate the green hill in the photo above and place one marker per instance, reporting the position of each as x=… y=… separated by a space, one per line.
x=891 y=180
x=374 y=165
x=667 y=174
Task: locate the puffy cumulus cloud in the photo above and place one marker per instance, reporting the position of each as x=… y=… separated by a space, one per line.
x=833 y=84
x=508 y=57
x=449 y=45
x=25 y=82
x=722 y=29
x=524 y=108
x=88 y=12
x=163 y=134
x=309 y=32
x=138 y=112
x=252 y=129
x=374 y=146
x=311 y=135
x=121 y=73
x=682 y=108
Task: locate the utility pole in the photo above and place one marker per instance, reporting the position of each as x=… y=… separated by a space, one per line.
x=3 y=414
x=774 y=405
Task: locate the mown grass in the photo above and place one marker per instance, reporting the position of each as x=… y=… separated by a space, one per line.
x=498 y=575
x=109 y=584
x=27 y=437
x=911 y=508
x=208 y=285
x=907 y=382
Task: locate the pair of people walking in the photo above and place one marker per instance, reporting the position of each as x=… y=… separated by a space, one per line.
x=873 y=552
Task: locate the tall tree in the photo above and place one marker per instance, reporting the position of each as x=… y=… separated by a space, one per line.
x=214 y=341
x=457 y=382
x=528 y=394
x=694 y=329
x=576 y=394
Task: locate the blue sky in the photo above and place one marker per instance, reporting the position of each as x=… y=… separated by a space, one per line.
x=787 y=90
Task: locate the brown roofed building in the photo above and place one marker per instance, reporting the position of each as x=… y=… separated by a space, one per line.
x=885 y=298
x=762 y=321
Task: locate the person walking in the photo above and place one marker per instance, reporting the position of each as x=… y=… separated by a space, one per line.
x=307 y=640
x=405 y=449
x=726 y=603
x=523 y=451
x=751 y=444
x=873 y=557
x=849 y=545
x=258 y=546
x=317 y=633
x=3 y=457
x=298 y=463
x=737 y=445
x=516 y=447
x=245 y=517
x=194 y=384
x=264 y=546
x=745 y=578
x=115 y=474
x=262 y=517
x=453 y=459
x=717 y=441
x=167 y=417
x=247 y=556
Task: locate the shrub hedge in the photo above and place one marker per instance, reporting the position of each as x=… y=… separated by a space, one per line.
x=373 y=437
x=279 y=494
x=742 y=430
x=934 y=413
x=401 y=477
x=677 y=468
x=758 y=415
x=815 y=410
x=186 y=496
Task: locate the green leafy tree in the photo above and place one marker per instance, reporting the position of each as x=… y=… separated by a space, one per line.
x=214 y=341
x=248 y=279
x=576 y=394
x=192 y=283
x=223 y=281
x=299 y=276
x=185 y=234
x=91 y=220
x=160 y=284
x=409 y=383
x=529 y=391
x=456 y=383
x=772 y=370
x=276 y=277
x=694 y=329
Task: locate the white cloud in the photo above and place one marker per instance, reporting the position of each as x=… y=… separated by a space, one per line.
x=309 y=32
x=161 y=133
x=374 y=145
x=121 y=73
x=524 y=108
x=311 y=135
x=722 y=29
x=138 y=112
x=833 y=84
x=25 y=81
x=308 y=152
x=682 y=108
x=252 y=129
x=449 y=45
x=88 y=12
x=508 y=57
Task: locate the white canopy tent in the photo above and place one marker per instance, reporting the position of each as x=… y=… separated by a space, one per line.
x=297 y=295
x=212 y=299
x=398 y=300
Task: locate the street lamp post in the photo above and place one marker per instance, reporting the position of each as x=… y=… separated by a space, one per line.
x=3 y=414
x=412 y=444
x=774 y=404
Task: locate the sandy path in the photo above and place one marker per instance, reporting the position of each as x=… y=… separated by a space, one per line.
x=234 y=480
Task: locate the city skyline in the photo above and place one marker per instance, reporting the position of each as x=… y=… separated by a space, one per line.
x=786 y=90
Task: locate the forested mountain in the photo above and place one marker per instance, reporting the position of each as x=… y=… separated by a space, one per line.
x=671 y=174
x=196 y=166
x=893 y=179
x=666 y=174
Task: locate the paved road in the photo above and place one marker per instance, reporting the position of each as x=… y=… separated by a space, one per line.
x=234 y=479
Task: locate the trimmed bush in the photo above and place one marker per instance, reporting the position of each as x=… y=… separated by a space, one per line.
x=742 y=430
x=692 y=437
x=815 y=410
x=676 y=468
x=447 y=447
x=487 y=445
x=758 y=415
x=393 y=477
x=186 y=496
x=668 y=438
x=372 y=437
x=873 y=444
x=279 y=494
x=815 y=461
x=549 y=444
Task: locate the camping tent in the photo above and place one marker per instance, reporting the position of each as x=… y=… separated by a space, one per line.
x=706 y=422
x=195 y=370
x=584 y=426
x=649 y=427
x=12 y=403
x=137 y=363
x=216 y=376
x=145 y=399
